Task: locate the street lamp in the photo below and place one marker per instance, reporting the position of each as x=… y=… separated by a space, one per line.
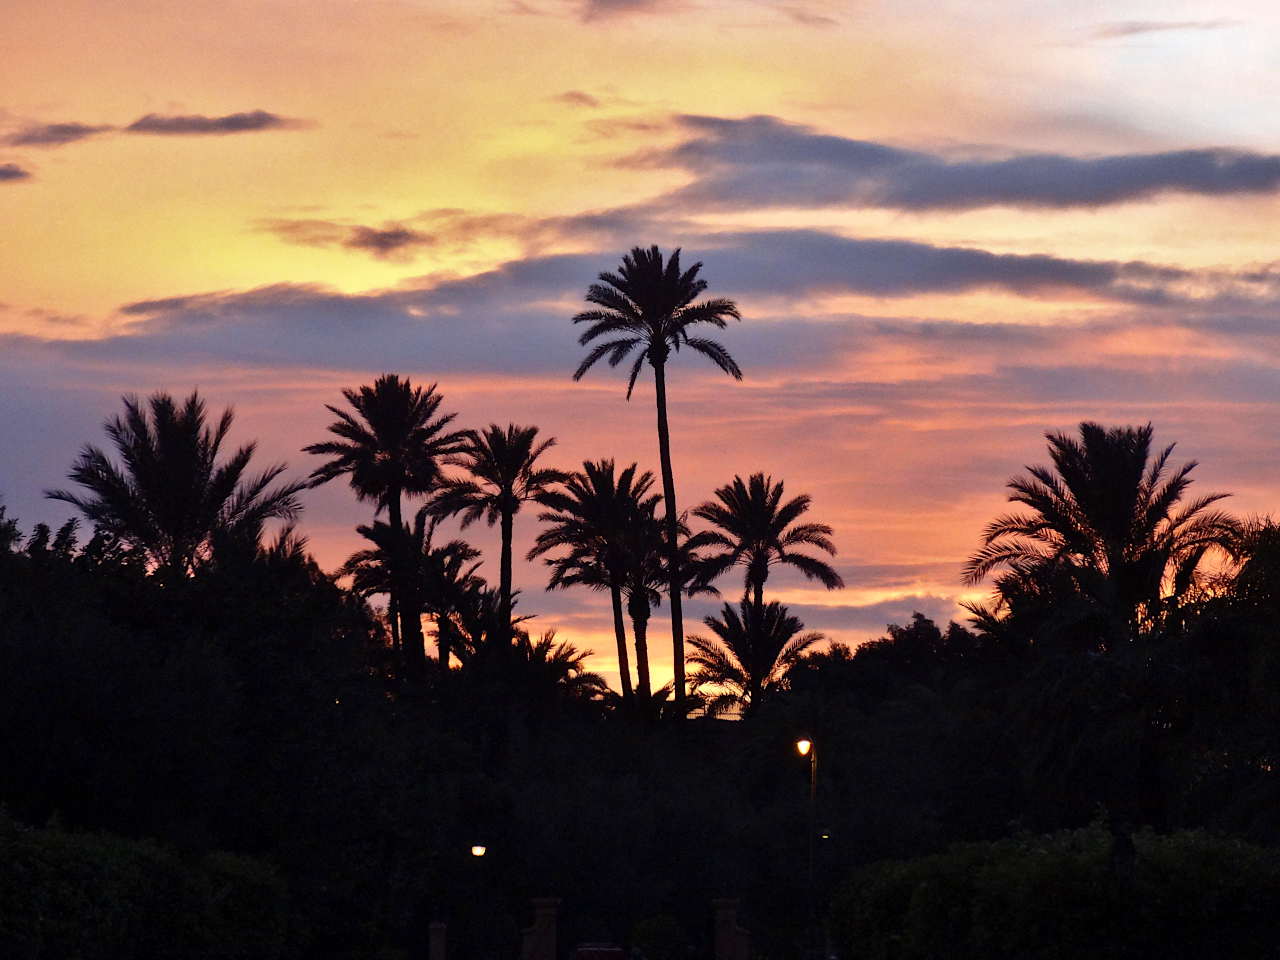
x=806 y=748
x=479 y=850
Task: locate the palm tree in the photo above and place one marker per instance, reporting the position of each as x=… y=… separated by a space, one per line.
x=756 y=648
x=390 y=446
x=1105 y=524
x=437 y=579
x=170 y=496
x=504 y=471
x=757 y=530
x=647 y=308
x=557 y=667
x=589 y=517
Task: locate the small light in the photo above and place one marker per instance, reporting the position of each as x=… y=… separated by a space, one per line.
x=803 y=747
x=479 y=850
x=825 y=835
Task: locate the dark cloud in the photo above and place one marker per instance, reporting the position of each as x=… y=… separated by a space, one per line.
x=55 y=134
x=763 y=161
x=198 y=125
x=11 y=172
x=391 y=241
x=1131 y=28
x=578 y=98
x=386 y=242
x=783 y=262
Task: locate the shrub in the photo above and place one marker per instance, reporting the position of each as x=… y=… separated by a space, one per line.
x=1064 y=896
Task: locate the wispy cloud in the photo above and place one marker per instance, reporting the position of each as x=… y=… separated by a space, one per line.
x=390 y=241
x=600 y=9
x=55 y=134
x=578 y=98
x=763 y=161
x=10 y=172
x=199 y=125
x=1132 y=28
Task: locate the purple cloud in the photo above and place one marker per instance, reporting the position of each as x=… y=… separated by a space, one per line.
x=763 y=161
x=55 y=134
x=198 y=125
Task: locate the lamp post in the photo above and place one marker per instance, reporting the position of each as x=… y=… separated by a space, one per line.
x=807 y=748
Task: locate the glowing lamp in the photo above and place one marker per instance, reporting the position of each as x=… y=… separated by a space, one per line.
x=479 y=850
x=803 y=747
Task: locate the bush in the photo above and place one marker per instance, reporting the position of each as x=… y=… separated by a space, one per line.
x=1065 y=896
x=88 y=896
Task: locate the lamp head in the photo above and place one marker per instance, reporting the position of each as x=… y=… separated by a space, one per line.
x=479 y=850
x=804 y=746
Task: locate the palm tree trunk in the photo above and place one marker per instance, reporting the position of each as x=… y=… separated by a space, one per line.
x=410 y=616
x=620 y=634
x=640 y=627
x=504 y=580
x=673 y=553
x=758 y=597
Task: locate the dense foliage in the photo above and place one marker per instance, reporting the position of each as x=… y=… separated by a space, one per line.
x=250 y=730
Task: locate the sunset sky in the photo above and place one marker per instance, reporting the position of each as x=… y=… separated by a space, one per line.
x=949 y=226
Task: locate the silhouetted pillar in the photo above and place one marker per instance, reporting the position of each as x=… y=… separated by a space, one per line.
x=539 y=941
x=732 y=941
x=436 y=940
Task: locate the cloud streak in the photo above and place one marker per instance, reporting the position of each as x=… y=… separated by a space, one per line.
x=392 y=241
x=763 y=161
x=1132 y=28
x=200 y=125
x=55 y=134
x=11 y=173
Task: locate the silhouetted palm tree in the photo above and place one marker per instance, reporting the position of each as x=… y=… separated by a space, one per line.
x=169 y=496
x=749 y=659
x=558 y=666
x=757 y=530
x=437 y=579
x=647 y=308
x=390 y=446
x=504 y=474
x=1105 y=520
x=589 y=517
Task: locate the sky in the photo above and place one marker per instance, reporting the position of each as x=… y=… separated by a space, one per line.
x=950 y=227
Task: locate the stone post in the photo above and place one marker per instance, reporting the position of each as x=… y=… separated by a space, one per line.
x=436 y=933
x=732 y=942
x=539 y=941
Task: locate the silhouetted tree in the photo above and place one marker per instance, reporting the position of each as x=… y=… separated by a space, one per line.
x=1106 y=522
x=757 y=530
x=170 y=495
x=437 y=579
x=504 y=474
x=588 y=518
x=390 y=446
x=749 y=659
x=648 y=307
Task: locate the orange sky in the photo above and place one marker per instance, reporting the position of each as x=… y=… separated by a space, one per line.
x=948 y=230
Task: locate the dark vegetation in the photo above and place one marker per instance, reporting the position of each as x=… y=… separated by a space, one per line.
x=214 y=748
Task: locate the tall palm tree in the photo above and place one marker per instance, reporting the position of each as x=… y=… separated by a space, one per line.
x=169 y=496
x=504 y=474
x=757 y=530
x=648 y=308
x=754 y=649
x=390 y=445
x=588 y=517
x=1108 y=523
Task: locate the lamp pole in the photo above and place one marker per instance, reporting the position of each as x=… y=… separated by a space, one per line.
x=807 y=748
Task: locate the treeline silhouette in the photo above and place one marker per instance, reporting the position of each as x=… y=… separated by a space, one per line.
x=181 y=672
